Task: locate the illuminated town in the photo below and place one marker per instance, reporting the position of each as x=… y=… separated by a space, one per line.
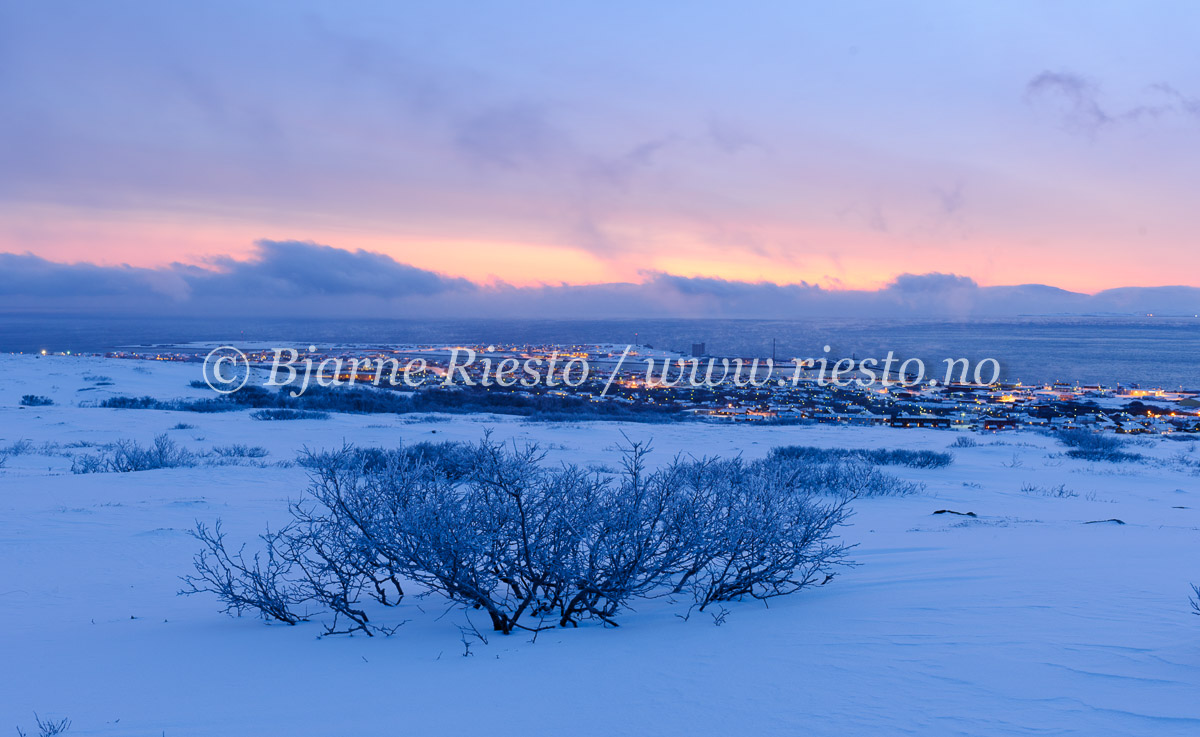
x=790 y=395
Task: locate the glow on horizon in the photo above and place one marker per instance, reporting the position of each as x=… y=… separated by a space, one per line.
x=155 y=242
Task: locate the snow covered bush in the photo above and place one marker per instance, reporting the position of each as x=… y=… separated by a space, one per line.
x=533 y=545
x=35 y=400
x=749 y=530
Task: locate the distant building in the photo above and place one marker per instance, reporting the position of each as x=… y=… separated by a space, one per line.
x=698 y=350
x=921 y=421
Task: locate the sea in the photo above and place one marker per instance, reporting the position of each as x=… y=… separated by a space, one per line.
x=1148 y=352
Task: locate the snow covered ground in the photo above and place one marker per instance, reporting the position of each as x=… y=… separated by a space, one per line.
x=1021 y=620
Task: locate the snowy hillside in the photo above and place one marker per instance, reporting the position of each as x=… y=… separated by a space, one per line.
x=1060 y=607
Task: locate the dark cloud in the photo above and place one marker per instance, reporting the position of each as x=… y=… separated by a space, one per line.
x=618 y=170
x=725 y=289
x=287 y=273
x=301 y=279
x=932 y=282
x=26 y=275
x=1077 y=96
x=1183 y=103
x=1078 y=99
x=950 y=201
x=299 y=269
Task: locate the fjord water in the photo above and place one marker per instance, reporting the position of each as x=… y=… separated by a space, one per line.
x=1160 y=352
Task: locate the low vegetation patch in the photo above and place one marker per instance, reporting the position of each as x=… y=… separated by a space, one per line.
x=287 y=414
x=1094 y=446
x=18 y=448
x=239 y=451
x=36 y=400
x=126 y=456
x=369 y=400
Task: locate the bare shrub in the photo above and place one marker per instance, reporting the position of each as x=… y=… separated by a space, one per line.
x=532 y=545
x=1058 y=492
x=750 y=532
x=259 y=583
x=36 y=400
x=18 y=448
x=48 y=727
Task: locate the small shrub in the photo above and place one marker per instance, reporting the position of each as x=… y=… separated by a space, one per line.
x=47 y=727
x=126 y=456
x=183 y=426
x=240 y=451
x=1058 y=492
x=89 y=464
x=36 y=400
x=964 y=441
x=131 y=403
x=18 y=448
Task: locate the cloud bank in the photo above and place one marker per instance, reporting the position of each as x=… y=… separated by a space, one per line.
x=304 y=279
